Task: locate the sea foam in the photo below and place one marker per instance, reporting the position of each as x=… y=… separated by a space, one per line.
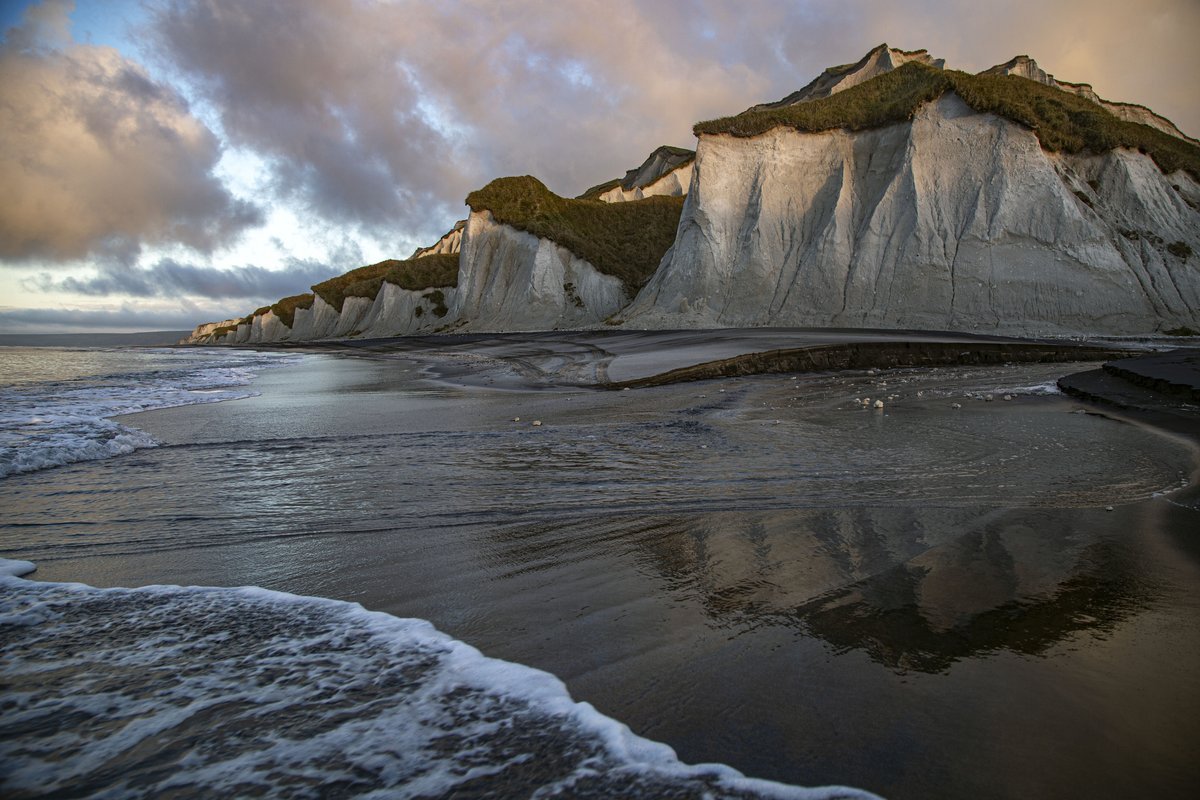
x=56 y=422
x=196 y=691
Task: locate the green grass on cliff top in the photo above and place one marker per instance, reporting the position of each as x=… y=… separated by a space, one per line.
x=599 y=189
x=1062 y=121
x=286 y=308
x=625 y=240
x=427 y=272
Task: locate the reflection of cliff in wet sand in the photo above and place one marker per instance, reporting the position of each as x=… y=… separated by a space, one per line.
x=915 y=590
x=974 y=597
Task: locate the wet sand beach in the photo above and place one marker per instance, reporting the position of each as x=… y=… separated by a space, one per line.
x=955 y=595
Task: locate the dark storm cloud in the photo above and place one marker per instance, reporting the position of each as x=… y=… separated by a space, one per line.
x=169 y=278
x=96 y=156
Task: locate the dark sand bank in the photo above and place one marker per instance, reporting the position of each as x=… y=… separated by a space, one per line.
x=1162 y=389
x=924 y=600
x=616 y=359
x=875 y=355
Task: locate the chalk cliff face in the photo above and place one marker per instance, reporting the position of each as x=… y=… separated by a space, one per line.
x=262 y=328
x=510 y=280
x=939 y=217
x=955 y=220
x=209 y=329
x=673 y=183
x=836 y=79
x=1025 y=67
x=393 y=312
x=667 y=171
x=450 y=242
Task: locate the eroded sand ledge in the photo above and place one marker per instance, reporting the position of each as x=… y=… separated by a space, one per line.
x=624 y=358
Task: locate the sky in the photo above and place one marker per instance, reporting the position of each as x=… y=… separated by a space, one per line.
x=169 y=162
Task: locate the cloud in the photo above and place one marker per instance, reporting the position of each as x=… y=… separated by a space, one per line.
x=126 y=317
x=97 y=157
x=169 y=278
x=386 y=114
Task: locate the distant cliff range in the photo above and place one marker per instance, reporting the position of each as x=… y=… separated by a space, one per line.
x=887 y=193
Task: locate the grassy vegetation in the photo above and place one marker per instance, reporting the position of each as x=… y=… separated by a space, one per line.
x=438 y=298
x=842 y=69
x=285 y=309
x=1180 y=249
x=625 y=240
x=414 y=274
x=222 y=331
x=258 y=312
x=891 y=97
x=599 y=189
x=1062 y=121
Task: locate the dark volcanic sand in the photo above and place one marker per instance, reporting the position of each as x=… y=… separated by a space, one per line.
x=921 y=601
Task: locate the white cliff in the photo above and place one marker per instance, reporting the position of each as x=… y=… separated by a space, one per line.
x=837 y=79
x=952 y=219
x=402 y=312
x=393 y=312
x=209 y=329
x=1025 y=67
x=449 y=244
x=510 y=280
x=665 y=172
x=674 y=183
x=262 y=328
x=955 y=220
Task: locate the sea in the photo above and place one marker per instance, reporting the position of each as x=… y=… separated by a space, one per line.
x=312 y=575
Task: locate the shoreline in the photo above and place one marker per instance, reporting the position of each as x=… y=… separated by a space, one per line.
x=1162 y=393
x=637 y=357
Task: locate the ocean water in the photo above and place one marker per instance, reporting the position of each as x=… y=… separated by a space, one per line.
x=760 y=573
x=56 y=403
x=189 y=691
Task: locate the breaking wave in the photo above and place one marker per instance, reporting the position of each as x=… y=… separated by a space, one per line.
x=50 y=423
x=190 y=691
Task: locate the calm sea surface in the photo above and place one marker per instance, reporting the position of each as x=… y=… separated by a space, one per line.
x=998 y=600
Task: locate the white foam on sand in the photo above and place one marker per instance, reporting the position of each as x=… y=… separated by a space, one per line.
x=140 y=692
x=54 y=423
x=1044 y=389
x=14 y=568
